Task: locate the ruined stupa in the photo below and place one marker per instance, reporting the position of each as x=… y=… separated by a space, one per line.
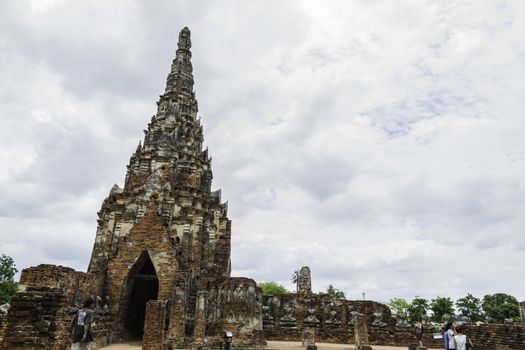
x=160 y=266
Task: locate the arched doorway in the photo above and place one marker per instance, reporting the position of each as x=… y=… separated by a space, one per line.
x=143 y=285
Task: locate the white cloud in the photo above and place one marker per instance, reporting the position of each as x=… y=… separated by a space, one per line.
x=378 y=143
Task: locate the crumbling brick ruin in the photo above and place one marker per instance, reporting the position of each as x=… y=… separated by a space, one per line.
x=288 y=316
x=160 y=266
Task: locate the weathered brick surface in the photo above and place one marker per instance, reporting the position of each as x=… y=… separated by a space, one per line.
x=3 y=326
x=234 y=305
x=76 y=286
x=497 y=336
x=40 y=318
x=154 y=325
x=36 y=320
x=338 y=329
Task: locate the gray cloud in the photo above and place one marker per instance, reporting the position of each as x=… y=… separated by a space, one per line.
x=372 y=142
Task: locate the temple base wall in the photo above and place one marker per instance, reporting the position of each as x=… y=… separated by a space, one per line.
x=286 y=316
x=41 y=311
x=497 y=336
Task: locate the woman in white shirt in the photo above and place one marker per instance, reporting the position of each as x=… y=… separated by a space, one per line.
x=461 y=339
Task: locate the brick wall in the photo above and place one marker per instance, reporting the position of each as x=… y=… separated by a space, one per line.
x=42 y=310
x=497 y=336
x=333 y=320
x=234 y=304
x=36 y=321
x=3 y=325
x=76 y=285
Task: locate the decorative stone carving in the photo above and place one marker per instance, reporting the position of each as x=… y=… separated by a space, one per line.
x=266 y=313
x=311 y=318
x=332 y=318
x=107 y=301
x=522 y=311
x=98 y=306
x=350 y=315
x=288 y=320
x=267 y=317
x=378 y=321
x=401 y=321
x=4 y=308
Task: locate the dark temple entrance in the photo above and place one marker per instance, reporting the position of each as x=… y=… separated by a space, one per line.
x=143 y=285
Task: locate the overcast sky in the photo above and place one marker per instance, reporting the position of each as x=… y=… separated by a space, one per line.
x=381 y=143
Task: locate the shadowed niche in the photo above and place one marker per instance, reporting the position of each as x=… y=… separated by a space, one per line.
x=143 y=285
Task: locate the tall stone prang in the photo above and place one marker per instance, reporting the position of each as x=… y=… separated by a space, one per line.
x=162 y=248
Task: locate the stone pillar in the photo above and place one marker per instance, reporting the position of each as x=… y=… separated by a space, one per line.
x=304 y=281
x=177 y=317
x=360 y=331
x=522 y=311
x=154 y=325
x=200 y=317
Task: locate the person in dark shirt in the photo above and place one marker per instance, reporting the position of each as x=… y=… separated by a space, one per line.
x=419 y=333
x=81 y=334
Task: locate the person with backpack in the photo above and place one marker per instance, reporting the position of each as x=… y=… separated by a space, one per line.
x=81 y=334
x=462 y=341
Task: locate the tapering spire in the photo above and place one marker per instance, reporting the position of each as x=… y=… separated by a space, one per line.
x=180 y=78
x=185 y=40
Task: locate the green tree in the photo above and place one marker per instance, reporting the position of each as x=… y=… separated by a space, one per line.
x=398 y=305
x=335 y=293
x=470 y=307
x=295 y=279
x=441 y=307
x=272 y=288
x=417 y=309
x=8 y=285
x=499 y=306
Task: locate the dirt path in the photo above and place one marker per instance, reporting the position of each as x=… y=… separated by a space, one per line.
x=289 y=345
x=123 y=346
x=281 y=345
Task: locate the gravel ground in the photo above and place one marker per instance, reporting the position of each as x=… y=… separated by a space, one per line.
x=281 y=345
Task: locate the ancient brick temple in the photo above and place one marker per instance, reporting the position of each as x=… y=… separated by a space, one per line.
x=160 y=266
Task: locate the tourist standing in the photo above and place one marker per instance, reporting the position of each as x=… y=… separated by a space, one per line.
x=81 y=334
x=419 y=333
x=448 y=337
x=462 y=341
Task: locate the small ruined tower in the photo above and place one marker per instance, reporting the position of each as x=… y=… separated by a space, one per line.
x=161 y=257
x=304 y=281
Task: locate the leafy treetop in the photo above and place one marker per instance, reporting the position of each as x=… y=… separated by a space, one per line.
x=335 y=293
x=441 y=308
x=499 y=306
x=418 y=309
x=398 y=305
x=470 y=307
x=8 y=286
x=270 y=288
